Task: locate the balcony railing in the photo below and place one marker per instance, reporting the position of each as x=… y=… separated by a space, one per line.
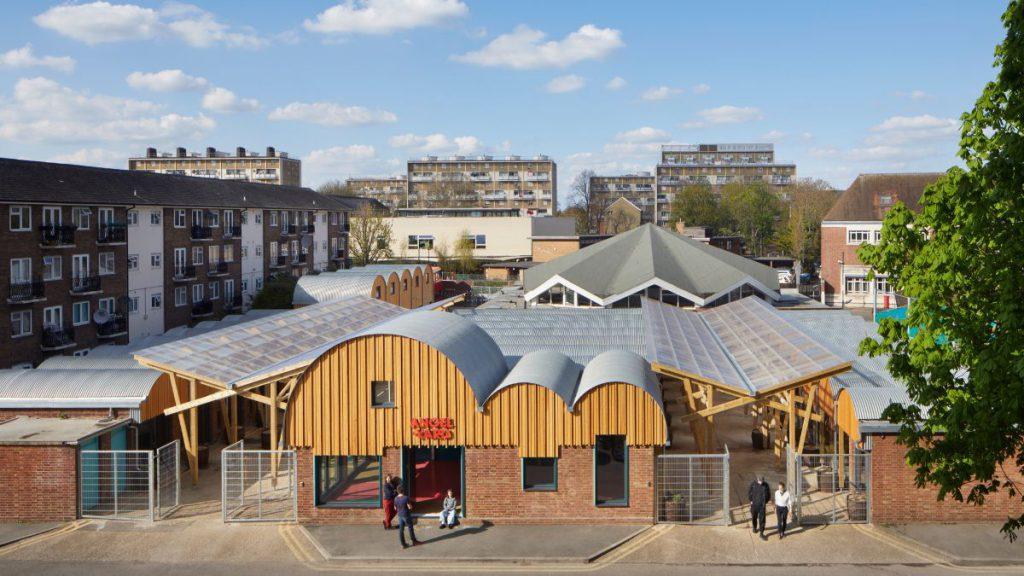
x=300 y=258
x=232 y=231
x=233 y=303
x=24 y=292
x=538 y=177
x=116 y=326
x=217 y=269
x=53 y=236
x=184 y=273
x=85 y=284
x=309 y=228
x=202 y=308
x=201 y=233
x=287 y=229
x=278 y=261
x=112 y=234
x=338 y=255
x=57 y=337
x=508 y=177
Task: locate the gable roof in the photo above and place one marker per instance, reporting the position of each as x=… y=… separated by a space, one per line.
x=31 y=181
x=623 y=262
x=860 y=202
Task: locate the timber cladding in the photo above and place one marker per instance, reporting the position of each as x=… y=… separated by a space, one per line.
x=330 y=411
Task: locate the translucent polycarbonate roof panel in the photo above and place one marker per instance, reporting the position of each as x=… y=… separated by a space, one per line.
x=680 y=339
x=235 y=354
x=767 y=349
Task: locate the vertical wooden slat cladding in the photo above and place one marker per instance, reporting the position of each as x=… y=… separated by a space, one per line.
x=331 y=409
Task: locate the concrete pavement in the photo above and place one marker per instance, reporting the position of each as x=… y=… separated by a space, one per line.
x=11 y=532
x=963 y=544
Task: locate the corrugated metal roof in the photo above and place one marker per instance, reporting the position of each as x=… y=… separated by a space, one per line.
x=869 y=403
x=90 y=362
x=344 y=283
x=50 y=388
x=552 y=370
x=472 y=351
x=619 y=366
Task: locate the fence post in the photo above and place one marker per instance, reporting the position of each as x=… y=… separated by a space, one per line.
x=114 y=467
x=224 y=455
x=177 y=473
x=152 y=509
x=726 y=511
x=259 y=483
x=295 y=486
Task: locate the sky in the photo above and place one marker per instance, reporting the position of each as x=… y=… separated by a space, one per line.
x=357 y=88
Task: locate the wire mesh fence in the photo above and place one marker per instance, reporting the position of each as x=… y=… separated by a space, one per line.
x=116 y=484
x=168 y=478
x=832 y=488
x=258 y=485
x=693 y=488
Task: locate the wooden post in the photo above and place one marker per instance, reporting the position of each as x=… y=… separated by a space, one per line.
x=698 y=431
x=812 y=395
x=274 y=445
x=234 y=419
x=791 y=418
x=840 y=449
x=709 y=401
x=186 y=438
x=193 y=429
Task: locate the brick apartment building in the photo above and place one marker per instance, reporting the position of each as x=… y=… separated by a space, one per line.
x=273 y=167
x=854 y=219
x=390 y=191
x=93 y=255
x=484 y=181
x=638 y=189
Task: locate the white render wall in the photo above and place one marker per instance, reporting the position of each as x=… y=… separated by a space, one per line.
x=321 y=249
x=252 y=253
x=506 y=237
x=145 y=239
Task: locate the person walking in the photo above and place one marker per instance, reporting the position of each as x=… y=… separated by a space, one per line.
x=389 y=501
x=448 y=510
x=782 y=502
x=758 y=494
x=405 y=518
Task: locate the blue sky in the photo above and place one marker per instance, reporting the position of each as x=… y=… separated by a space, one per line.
x=356 y=88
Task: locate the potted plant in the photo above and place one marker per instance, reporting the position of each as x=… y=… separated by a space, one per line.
x=674 y=507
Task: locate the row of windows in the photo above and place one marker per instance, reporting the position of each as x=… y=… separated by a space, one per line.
x=861 y=236
x=53 y=316
x=861 y=285
x=20 y=217
x=53 y=267
x=213 y=289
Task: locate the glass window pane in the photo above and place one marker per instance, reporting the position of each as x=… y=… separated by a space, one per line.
x=348 y=481
x=611 y=484
x=540 y=474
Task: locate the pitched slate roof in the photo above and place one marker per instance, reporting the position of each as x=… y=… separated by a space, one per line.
x=861 y=201
x=30 y=181
x=622 y=263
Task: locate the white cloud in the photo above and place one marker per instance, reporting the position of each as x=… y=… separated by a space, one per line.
x=563 y=84
x=915 y=95
x=661 y=93
x=644 y=134
x=103 y=22
x=331 y=114
x=226 y=101
x=524 y=48
x=93 y=157
x=774 y=135
x=384 y=16
x=437 y=144
x=724 y=115
x=166 y=81
x=874 y=154
x=903 y=129
x=617 y=83
x=24 y=57
x=42 y=110
x=701 y=89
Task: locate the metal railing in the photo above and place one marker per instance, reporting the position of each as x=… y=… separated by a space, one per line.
x=202 y=308
x=287 y=229
x=309 y=228
x=168 y=478
x=217 y=269
x=693 y=488
x=26 y=291
x=258 y=485
x=116 y=484
x=232 y=231
x=57 y=235
x=116 y=326
x=830 y=488
x=184 y=272
x=233 y=303
x=57 y=337
x=112 y=234
x=278 y=261
x=300 y=258
x=201 y=233
x=85 y=284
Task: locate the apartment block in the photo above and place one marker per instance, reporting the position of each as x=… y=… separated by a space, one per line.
x=93 y=255
x=390 y=191
x=485 y=181
x=272 y=167
x=638 y=189
x=717 y=165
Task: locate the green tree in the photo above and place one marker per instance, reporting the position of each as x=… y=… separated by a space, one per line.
x=698 y=205
x=809 y=201
x=369 y=236
x=959 y=259
x=334 y=188
x=465 y=262
x=752 y=212
x=276 y=293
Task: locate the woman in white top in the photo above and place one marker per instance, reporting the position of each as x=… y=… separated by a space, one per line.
x=782 y=500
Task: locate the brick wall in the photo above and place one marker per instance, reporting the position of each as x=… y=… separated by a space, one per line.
x=546 y=250
x=308 y=512
x=834 y=248
x=38 y=483
x=91 y=413
x=896 y=499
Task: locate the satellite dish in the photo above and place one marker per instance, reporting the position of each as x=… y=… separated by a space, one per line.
x=307 y=241
x=101 y=317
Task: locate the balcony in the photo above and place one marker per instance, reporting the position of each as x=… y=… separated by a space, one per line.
x=110 y=234
x=116 y=326
x=496 y=196
x=288 y=229
x=668 y=181
x=265 y=176
x=57 y=338
x=422 y=177
x=279 y=261
x=508 y=177
x=202 y=308
x=184 y=273
x=234 y=176
x=480 y=177
x=54 y=236
x=232 y=231
x=201 y=233
x=233 y=304
x=81 y=285
x=217 y=269
x=308 y=228
x=26 y=292
x=338 y=255
x=300 y=259
x=523 y=197
x=538 y=177
x=780 y=180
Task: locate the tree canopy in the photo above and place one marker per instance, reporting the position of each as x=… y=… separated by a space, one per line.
x=959 y=259
x=699 y=205
x=370 y=237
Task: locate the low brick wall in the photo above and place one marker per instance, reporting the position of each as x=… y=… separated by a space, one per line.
x=38 y=483
x=896 y=499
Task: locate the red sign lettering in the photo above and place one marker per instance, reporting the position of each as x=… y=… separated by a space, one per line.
x=433 y=428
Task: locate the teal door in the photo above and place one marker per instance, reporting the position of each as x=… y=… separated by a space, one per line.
x=89 y=483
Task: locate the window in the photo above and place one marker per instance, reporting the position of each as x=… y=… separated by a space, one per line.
x=245 y=285
x=348 y=481
x=133 y=262
x=80 y=313
x=259 y=250
x=274 y=250
x=611 y=471
x=214 y=217
x=155 y=217
x=21 y=323
x=540 y=474
x=156 y=259
x=857 y=285
x=259 y=283
x=197 y=217
x=180 y=296
x=229 y=218
x=214 y=290
x=52 y=267
x=214 y=255
x=107 y=263
x=107 y=305
x=245 y=251
x=334 y=218
x=229 y=289
x=53 y=317
x=229 y=253
x=476 y=241
x=858 y=236
x=156 y=300
x=80 y=217
x=413 y=241
x=197 y=255
x=273 y=218
x=132 y=217
x=133 y=304
x=258 y=217
x=21 y=218
x=882 y=285
x=51 y=216
x=179 y=218
x=21 y=270
x=197 y=292
x=180 y=261
x=381 y=390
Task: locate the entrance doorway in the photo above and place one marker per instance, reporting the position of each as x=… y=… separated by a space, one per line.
x=428 y=473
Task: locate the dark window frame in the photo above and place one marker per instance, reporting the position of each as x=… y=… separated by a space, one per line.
x=620 y=502
x=541 y=487
x=318 y=481
x=391 y=394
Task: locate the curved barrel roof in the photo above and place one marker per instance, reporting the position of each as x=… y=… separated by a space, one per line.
x=552 y=370
x=78 y=388
x=326 y=286
x=619 y=366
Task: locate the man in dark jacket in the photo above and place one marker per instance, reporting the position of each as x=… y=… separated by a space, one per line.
x=759 y=494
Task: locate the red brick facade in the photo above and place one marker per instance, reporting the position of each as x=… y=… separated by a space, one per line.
x=895 y=499
x=833 y=249
x=38 y=483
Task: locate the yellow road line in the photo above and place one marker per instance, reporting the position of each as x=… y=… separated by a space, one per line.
x=33 y=540
x=933 y=558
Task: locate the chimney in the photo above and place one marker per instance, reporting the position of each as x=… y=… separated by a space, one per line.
x=150 y=152
x=271 y=152
x=240 y=152
x=211 y=152
x=181 y=152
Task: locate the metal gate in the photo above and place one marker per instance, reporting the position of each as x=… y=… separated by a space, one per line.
x=116 y=484
x=258 y=485
x=168 y=478
x=693 y=488
x=831 y=488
